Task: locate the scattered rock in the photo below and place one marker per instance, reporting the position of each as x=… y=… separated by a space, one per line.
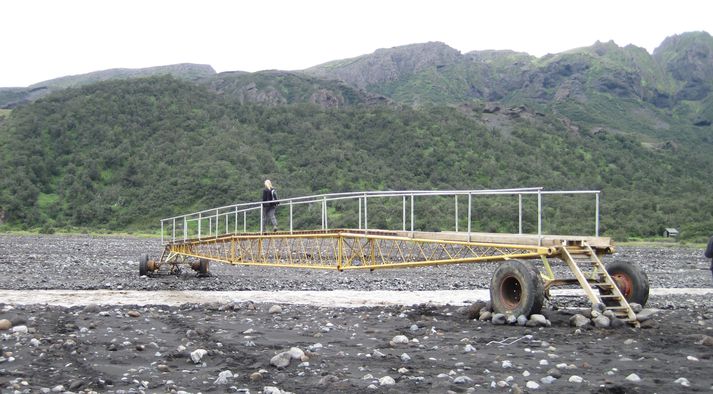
x=133 y=313
x=281 y=360
x=615 y=322
x=223 y=377
x=601 y=321
x=5 y=324
x=386 y=381
x=532 y=385
x=499 y=319
x=645 y=314
x=633 y=378
x=197 y=355
x=22 y=330
x=575 y=379
x=683 y=382
x=521 y=320
x=473 y=311
x=296 y=353
x=579 y=321
x=705 y=340
x=537 y=320
x=485 y=315
x=275 y=309
x=636 y=307
x=599 y=308
x=399 y=340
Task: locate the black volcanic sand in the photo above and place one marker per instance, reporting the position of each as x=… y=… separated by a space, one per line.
x=125 y=349
x=105 y=349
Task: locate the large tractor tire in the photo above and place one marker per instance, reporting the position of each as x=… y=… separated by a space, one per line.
x=516 y=289
x=632 y=281
x=144 y=265
x=203 y=268
x=200 y=266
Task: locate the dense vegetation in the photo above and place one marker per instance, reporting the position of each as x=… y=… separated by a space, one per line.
x=120 y=155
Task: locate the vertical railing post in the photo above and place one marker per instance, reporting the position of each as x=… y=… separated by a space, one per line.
x=403 y=214
x=200 y=219
x=324 y=214
x=173 y=236
x=162 y=232
x=261 y=217
x=185 y=228
x=217 y=221
x=539 y=216
x=359 y=201
x=245 y=221
x=456 y=213
x=470 y=205
x=596 y=224
x=236 y=220
x=519 y=213
x=366 y=214
x=412 y=219
x=290 y=216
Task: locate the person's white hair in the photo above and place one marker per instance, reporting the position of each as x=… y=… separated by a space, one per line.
x=268 y=184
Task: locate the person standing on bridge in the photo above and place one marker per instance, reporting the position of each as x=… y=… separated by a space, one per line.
x=709 y=252
x=268 y=208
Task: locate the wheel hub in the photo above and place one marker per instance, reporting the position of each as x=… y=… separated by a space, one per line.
x=510 y=292
x=624 y=283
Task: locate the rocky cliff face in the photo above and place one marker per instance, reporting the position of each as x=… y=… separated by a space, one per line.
x=689 y=60
x=386 y=65
x=283 y=87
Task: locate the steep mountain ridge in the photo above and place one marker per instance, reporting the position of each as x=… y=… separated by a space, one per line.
x=12 y=97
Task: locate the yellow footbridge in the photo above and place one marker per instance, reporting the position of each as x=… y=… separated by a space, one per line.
x=234 y=235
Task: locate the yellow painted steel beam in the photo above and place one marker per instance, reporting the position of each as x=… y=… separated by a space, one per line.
x=347 y=251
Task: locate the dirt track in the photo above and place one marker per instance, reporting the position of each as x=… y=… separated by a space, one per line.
x=148 y=348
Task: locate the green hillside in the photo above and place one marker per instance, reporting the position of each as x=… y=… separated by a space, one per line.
x=121 y=154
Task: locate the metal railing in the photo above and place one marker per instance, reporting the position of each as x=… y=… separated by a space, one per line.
x=236 y=217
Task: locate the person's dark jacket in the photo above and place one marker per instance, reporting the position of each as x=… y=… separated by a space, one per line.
x=269 y=195
x=709 y=250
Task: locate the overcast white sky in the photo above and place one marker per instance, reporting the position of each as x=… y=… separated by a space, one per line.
x=45 y=39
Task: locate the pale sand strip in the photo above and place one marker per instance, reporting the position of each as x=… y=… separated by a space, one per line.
x=336 y=298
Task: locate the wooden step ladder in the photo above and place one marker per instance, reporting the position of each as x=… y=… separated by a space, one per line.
x=581 y=258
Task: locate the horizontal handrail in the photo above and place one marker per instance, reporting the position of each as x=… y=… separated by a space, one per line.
x=346 y=195
x=214 y=215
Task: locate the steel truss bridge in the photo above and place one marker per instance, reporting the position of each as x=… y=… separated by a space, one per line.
x=234 y=235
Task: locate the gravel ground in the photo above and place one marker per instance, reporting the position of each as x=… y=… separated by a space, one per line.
x=273 y=348
x=88 y=263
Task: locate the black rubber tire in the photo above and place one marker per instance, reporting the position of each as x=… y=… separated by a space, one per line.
x=631 y=280
x=144 y=265
x=203 y=266
x=516 y=289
